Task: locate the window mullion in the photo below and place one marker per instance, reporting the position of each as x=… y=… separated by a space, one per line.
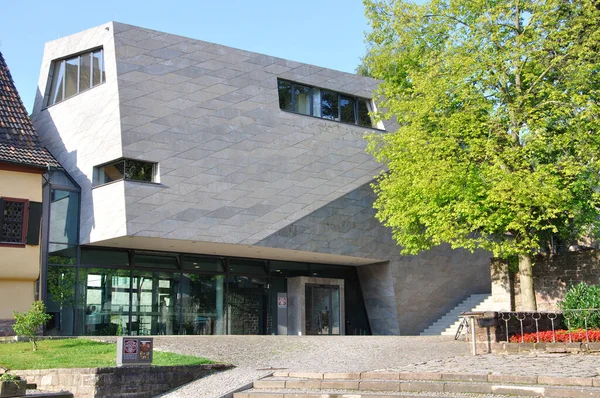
x=64 y=83
x=78 y=74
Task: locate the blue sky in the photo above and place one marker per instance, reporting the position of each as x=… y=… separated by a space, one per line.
x=327 y=33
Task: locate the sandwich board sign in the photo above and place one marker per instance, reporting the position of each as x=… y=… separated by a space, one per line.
x=134 y=351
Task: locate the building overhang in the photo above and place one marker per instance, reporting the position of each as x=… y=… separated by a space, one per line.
x=230 y=250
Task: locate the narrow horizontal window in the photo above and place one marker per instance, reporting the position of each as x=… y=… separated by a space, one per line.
x=326 y=104
x=126 y=169
x=76 y=74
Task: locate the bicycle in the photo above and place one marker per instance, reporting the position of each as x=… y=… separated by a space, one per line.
x=464 y=324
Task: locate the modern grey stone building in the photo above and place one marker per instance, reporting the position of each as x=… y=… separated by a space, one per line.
x=216 y=190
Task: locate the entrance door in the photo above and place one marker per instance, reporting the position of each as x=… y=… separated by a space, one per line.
x=322 y=310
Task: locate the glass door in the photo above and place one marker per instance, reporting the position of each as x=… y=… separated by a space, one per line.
x=322 y=310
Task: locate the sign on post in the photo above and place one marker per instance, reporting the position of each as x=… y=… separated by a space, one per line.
x=134 y=350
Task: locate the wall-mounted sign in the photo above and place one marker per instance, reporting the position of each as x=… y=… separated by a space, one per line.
x=134 y=350
x=281 y=302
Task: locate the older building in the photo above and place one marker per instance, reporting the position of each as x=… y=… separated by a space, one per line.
x=224 y=191
x=23 y=161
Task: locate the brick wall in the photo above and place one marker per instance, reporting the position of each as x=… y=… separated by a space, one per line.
x=553 y=275
x=130 y=381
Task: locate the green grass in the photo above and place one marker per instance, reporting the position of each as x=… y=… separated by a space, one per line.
x=77 y=353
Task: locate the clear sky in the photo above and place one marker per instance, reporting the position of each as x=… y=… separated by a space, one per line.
x=328 y=33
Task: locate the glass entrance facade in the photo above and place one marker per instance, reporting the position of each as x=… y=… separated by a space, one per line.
x=132 y=292
x=322 y=310
x=92 y=290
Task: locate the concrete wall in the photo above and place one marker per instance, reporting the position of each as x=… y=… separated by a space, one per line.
x=19 y=266
x=403 y=295
x=84 y=131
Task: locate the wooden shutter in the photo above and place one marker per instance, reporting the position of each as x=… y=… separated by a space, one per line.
x=33 y=224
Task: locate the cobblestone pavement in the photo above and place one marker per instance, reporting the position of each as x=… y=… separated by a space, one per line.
x=256 y=356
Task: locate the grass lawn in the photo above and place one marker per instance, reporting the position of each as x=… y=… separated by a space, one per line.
x=77 y=353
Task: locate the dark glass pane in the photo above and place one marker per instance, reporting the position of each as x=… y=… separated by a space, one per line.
x=254 y=267
x=322 y=310
x=85 y=72
x=329 y=271
x=347 y=109
x=58 y=177
x=98 y=68
x=104 y=257
x=281 y=269
x=72 y=74
x=154 y=303
x=103 y=304
x=139 y=171
x=202 y=301
x=285 y=95
x=205 y=264
x=329 y=105
x=61 y=300
x=155 y=260
x=247 y=305
x=111 y=172
x=363 y=113
x=59 y=253
x=302 y=99
x=56 y=89
x=64 y=216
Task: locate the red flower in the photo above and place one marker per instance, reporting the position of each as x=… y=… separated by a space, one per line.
x=562 y=336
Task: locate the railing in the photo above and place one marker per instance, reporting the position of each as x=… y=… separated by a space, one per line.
x=577 y=322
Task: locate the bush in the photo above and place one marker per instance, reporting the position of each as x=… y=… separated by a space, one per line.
x=28 y=323
x=578 y=297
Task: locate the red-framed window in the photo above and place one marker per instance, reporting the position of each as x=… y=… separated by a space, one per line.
x=14 y=214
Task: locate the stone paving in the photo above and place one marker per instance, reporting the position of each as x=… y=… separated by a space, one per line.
x=257 y=356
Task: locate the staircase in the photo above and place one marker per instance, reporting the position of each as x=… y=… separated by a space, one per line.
x=448 y=324
x=430 y=384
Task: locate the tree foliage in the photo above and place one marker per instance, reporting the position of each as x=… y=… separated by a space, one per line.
x=29 y=323
x=497 y=103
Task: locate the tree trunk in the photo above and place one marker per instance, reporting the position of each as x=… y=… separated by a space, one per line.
x=528 y=302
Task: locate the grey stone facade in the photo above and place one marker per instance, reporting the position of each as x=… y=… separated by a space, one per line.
x=234 y=168
x=404 y=294
x=237 y=172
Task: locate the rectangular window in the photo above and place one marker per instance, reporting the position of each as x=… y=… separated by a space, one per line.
x=285 y=95
x=126 y=169
x=76 y=74
x=326 y=104
x=329 y=105
x=302 y=99
x=347 y=109
x=13 y=220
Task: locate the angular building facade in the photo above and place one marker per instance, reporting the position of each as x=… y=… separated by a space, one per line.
x=220 y=191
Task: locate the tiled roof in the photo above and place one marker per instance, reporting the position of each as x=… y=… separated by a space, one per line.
x=19 y=142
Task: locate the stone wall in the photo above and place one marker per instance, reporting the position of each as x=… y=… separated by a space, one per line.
x=552 y=277
x=130 y=381
x=6 y=327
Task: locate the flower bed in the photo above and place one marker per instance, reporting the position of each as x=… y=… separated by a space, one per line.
x=562 y=336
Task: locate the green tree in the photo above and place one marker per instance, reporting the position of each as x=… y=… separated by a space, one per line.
x=497 y=103
x=28 y=323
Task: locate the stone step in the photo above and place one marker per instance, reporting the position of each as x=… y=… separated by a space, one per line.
x=254 y=393
x=448 y=323
x=356 y=385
